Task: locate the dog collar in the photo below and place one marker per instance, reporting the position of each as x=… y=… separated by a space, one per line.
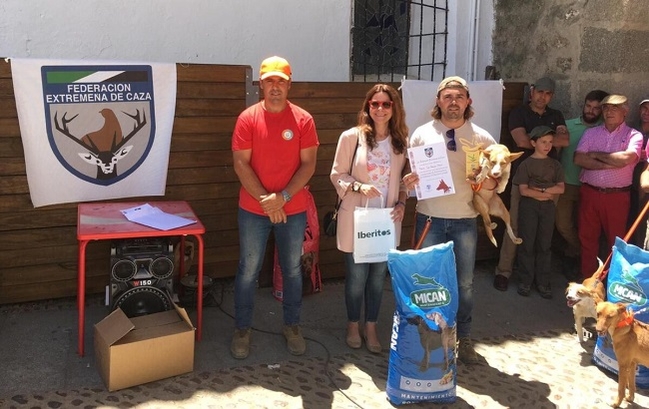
x=628 y=320
x=477 y=186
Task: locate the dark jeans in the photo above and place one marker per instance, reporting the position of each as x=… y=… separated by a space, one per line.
x=464 y=235
x=535 y=227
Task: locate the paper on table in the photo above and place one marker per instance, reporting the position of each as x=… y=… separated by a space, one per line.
x=151 y=216
x=431 y=164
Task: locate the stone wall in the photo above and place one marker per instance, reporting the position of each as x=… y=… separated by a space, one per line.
x=582 y=44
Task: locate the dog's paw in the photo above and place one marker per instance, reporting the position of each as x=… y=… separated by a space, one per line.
x=493 y=225
x=517 y=240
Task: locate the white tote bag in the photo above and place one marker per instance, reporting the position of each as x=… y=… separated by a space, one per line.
x=374 y=234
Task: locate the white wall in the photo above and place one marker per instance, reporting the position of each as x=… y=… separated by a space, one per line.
x=470 y=48
x=314 y=35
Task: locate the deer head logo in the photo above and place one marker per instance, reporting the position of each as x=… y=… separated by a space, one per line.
x=100 y=119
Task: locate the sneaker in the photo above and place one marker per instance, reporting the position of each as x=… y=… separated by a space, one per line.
x=465 y=352
x=545 y=291
x=294 y=340
x=501 y=282
x=240 y=347
x=523 y=290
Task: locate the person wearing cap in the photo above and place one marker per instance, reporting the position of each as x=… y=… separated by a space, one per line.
x=540 y=180
x=607 y=155
x=274 y=146
x=366 y=171
x=568 y=203
x=452 y=217
x=522 y=120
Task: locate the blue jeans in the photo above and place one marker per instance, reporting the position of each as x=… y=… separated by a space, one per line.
x=364 y=281
x=464 y=235
x=253 y=237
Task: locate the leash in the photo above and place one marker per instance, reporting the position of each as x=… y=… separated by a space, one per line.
x=602 y=271
x=424 y=232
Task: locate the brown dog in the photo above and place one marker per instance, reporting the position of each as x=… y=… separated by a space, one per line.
x=630 y=343
x=494 y=163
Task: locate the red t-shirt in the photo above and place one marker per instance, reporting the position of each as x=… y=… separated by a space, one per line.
x=276 y=140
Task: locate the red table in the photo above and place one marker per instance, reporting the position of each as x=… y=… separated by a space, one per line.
x=104 y=221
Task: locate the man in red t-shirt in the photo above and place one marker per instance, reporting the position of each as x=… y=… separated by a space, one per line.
x=274 y=146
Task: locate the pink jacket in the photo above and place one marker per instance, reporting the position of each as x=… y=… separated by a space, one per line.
x=342 y=178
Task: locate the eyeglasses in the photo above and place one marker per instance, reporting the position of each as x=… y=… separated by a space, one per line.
x=382 y=104
x=451 y=145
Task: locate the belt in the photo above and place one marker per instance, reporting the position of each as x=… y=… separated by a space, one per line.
x=609 y=189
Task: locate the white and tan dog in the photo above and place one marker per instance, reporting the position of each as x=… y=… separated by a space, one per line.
x=583 y=299
x=494 y=163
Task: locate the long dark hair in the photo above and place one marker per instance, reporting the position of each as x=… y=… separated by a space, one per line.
x=397 y=125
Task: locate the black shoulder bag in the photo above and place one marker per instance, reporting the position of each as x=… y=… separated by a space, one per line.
x=330 y=221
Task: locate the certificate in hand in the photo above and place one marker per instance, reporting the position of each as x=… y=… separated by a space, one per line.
x=431 y=164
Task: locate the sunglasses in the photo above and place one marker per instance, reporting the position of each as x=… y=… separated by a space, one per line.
x=451 y=145
x=382 y=104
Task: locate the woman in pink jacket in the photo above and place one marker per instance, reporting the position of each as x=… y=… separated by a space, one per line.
x=367 y=170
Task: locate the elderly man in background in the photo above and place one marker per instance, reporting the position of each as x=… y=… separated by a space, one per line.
x=607 y=154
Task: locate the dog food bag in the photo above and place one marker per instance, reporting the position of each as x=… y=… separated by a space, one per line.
x=628 y=282
x=422 y=365
x=311 y=276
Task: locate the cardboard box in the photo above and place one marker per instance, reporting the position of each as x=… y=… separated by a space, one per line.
x=133 y=351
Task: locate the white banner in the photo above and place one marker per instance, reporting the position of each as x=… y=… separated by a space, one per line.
x=487 y=96
x=94 y=130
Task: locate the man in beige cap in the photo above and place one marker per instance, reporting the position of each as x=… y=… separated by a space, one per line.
x=274 y=146
x=452 y=217
x=607 y=155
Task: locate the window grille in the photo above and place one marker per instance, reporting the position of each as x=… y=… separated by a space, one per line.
x=396 y=38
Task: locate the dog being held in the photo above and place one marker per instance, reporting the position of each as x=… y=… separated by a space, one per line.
x=630 y=343
x=583 y=299
x=494 y=163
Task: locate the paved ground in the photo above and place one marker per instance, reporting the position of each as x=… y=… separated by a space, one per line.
x=531 y=358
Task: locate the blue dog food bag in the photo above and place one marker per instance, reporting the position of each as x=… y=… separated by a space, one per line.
x=422 y=365
x=628 y=282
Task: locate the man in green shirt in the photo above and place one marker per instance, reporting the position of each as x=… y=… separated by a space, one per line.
x=566 y=212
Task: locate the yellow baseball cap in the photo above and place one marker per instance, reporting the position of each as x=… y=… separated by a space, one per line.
x=275 y=66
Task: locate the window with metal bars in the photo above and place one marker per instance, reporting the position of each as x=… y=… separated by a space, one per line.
x=396 y=38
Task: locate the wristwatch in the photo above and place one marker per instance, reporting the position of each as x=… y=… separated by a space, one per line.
x=542 y=190
x=286 y=196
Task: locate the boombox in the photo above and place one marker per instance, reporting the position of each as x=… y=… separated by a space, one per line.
x=141 y=276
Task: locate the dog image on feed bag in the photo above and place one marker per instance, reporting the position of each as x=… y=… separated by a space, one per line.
x=628 y=283
x=422 y=365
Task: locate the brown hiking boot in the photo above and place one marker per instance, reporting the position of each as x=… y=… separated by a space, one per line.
x=465 y=352
x=240 y=347
x=294 y=340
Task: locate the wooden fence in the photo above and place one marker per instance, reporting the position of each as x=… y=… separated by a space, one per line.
x=38 y=247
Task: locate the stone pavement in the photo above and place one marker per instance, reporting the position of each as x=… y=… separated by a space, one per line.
x=531 y=358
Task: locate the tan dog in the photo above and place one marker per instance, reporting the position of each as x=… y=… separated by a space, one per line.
x=431 y=339
x=494 y=163
x=584 y=297
x=630 y=343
